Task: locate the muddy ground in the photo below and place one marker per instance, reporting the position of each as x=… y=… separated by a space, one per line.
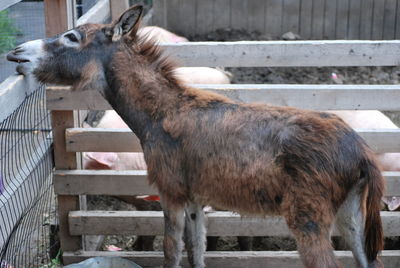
x=266 y=75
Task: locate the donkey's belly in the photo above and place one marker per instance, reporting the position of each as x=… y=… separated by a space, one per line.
x=246 y=195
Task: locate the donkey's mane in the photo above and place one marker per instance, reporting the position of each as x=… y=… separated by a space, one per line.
x=149 y=47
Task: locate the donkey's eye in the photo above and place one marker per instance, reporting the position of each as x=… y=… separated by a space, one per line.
x=71 y=37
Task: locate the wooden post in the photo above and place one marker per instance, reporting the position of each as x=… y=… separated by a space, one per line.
x=59 y=17
x=117 y=7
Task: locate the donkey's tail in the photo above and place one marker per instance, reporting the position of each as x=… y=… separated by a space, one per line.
x=373 y=194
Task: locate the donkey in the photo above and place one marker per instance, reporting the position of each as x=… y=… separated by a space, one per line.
x=202 y=148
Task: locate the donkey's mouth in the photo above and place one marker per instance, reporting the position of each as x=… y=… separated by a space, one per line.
x=16 y=57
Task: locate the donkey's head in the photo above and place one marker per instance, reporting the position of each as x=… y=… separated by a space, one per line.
x=78 y=57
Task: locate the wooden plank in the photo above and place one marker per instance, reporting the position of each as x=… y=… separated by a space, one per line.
x=56 y=16
x=173 y=17
x=222 y=14
x=58 y=19
x=392 y=183
x=218 y=224
x=99 y=13
x=231 y=259
x=273 y=19
x=159 y=13
x=382 y=141
x=255 y=15
x=123 y=140
x=238 y=14
x=354 y=19
x=330 y=19
x=131 y=182
x=204 y=16
x=397 y=32
x=291 y=13
x=102 y=182
x=285 y=54
x=188 y=12
x=13 y=92
x=377 y=19
x=117 y=7
x=318 y=19
x=7 y=3
x=366 y=19
x=109 y=140
x=318 y=97
x=305 y=19
x=389 y=19
x=342 y=19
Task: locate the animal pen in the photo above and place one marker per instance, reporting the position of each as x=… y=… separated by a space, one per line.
x=72 y=184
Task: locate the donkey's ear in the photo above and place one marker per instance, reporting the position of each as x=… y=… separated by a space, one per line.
x=128 y=23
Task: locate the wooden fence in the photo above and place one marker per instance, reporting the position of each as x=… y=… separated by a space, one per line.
x=311 y=19
x=70 y=182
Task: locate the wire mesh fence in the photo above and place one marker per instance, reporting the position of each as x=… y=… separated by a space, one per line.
x=27 y=202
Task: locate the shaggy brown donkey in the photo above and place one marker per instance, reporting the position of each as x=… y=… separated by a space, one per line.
x=204 y=149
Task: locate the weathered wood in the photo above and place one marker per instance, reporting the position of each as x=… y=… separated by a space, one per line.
x=290 y=16
x=117 y=7
x=203 y=15
x=64 y=160
x=285 y=54
x=273 y=18
x=124 y=140
x=189 y=10
x=13 y=92
x=102 y=140
x=342 y=19
x=222 y=14
x=255 y=15
x=366 y=19
x=99 y=13
x=160 y=13
x=318 y=97
x=58 y=17
x=218 y=224
x=102 y=182
x=392 y=183
x=231 y=259
x=305 y=19
x=329 y=19
x=377 y=20
x=132 y=182
x=317 y=19
x=354 y=19
x=238 y=14
x=389 y=19
x=7 y=3
x=172 y=12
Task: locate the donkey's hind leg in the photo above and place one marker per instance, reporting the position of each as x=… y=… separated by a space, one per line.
x=195 y=234
x=350 y=223
x=311 y=227
x=174 y=221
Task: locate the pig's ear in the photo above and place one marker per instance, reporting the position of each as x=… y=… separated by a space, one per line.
x=105 y=159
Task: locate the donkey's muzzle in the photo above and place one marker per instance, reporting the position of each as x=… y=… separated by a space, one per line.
x=17 y=55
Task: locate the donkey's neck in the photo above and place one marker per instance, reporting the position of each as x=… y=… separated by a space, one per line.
x=141 y=95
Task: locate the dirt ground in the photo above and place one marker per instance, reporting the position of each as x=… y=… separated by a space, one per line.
x=266 y=75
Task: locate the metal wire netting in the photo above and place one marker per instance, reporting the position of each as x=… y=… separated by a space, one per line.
x=27 y=202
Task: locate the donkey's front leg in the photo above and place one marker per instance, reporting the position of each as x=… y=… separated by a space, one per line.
x=195 y=234
x=174 y=223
